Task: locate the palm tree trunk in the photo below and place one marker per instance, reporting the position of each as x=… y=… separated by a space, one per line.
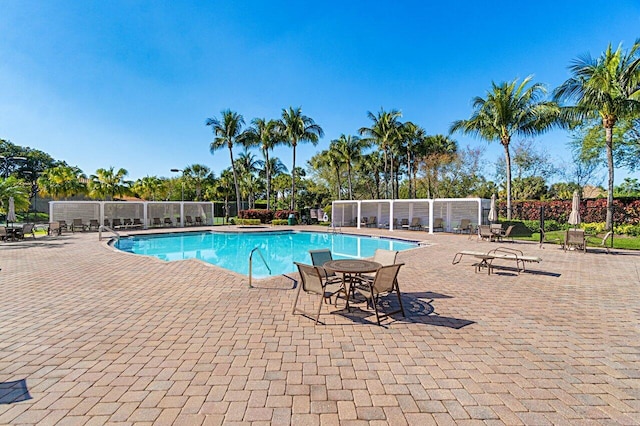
x=339 y=188
x=409 y=175
x=507 y=157
x=293 y=177
x=266 y=156
x=235 y=181
x=349 y=177
x=386 y=176
x=609 y=141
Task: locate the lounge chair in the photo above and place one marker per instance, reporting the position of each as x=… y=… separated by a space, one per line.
x=575 y=238
x=107 y=223
x=396 y=225
x=198 y=220
x=63 y=225
x=415 y=224
x=499 y=253
x=168 y=221
x=507 y=233
x=188 y=221
x=311 y=282
x=77 y=224
x=127 y=223
x=27 y=228
x=117 y=223
x=484 y=232
x=385 y=282
x=464 y=226
x=54 y=229
x=137 y=223
x=372 y=222
x=319 y=258
x=438 y=223
x=156 y=222
x=94 y=224
x=404 y=223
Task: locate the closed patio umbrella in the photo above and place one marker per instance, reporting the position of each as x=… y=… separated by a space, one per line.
x=574 y=216
x=11 y=211
x=493 y=211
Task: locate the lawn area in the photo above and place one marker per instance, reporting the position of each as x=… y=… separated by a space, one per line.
x=619 y=241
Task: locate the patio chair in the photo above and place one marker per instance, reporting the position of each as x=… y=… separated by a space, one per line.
x=415 y=224
x=319 y=258
x=198 y=221
x=507 y=233
x=117 y=223
x=484 y=232
x=364 y=220
x=404 y=223
x=385 y=282
x=188 y=221
x=168 y=221
x=54 y=229
x=372 y=222
x=63 y=225
x=438 y=223
x=27 y=228
x=127 y=223
x=604 y=243
x=107 y=223
x=311 y=282
x=156 y=222
x=464 y=226
x=94 y=224
x=77 y=224
x=4 y=236
x=384 y=258
x=137 y=223
x=396 y=225
x=575 y=238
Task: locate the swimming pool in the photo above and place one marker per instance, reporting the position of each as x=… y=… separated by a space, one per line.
x=280 y=249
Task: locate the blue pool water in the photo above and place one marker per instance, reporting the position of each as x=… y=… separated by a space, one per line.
x=280 y=249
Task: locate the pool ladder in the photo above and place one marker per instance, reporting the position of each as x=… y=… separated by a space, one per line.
x=256 y=249
x=106 y=228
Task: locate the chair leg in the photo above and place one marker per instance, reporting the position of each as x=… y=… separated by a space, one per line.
x=400 y=299
x=319 y=309
x=295 y=302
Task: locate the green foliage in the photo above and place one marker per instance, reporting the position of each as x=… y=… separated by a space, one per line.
x=279 y=222
x=262 y=215
x=248 y=222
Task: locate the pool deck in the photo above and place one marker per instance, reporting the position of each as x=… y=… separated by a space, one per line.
x=104 y=337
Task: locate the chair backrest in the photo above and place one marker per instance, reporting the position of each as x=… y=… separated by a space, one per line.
x=385 y=278
x=385 y=257
x=484 y=230
x=137 y=221
x=94 y=222
x=62 y=223
x=27 y=228
x=117 y=222
x=320 y=257
x=507 y=233
x=168 y=220
x=107 y=223
x=188 y=219
x=405 y=222
x=156 y=221
x=438 y=222
x=311 y=278
x=496 y=228
x=128 y=221
x=415 y=221
x=3 y=231
x=575 y=236
x=465 y=223
x=372 y=220
x=198 y=219
x=77 y=222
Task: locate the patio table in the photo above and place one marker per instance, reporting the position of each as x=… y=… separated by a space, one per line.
x=351 y=268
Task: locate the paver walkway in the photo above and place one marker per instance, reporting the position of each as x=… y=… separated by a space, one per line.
x=103 y=337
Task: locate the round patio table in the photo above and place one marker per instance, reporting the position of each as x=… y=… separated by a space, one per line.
x=351 y=267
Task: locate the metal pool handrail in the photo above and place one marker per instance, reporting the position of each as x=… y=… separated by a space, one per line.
x=106 y=228
x=251 y=263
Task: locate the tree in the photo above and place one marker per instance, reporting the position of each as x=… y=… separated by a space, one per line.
x=109 y=183
x=350 y=150
x=607 y=87
x=197 y=175
x=433 y=152
x=414 y=136
x=264 y=134
x=629 y=188
x=297 y=127
x=148 y=187
x=510 y=109
x=384 y=132
x=62 y=182
x=16 y=188
x=228 y=132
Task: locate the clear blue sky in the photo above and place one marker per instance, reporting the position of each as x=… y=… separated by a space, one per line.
x=130 y=83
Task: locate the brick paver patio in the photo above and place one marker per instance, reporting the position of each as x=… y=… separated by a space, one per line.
x=103 y=337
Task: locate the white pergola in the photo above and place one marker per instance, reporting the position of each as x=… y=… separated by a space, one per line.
x=143 y=210
x=389 y=214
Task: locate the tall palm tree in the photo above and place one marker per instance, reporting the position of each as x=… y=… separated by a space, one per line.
x=16 y=188
x=510 y=109
x=413 y=135
x=228 y=132
x=197 y=174
x=607 y=87
x=107 y=183
x=434 y=151
x=334 y=158
x=369 y=169
x=297 y=127
x=147 y=187
x=384 y=132
x=350 y=148
x=264 y=134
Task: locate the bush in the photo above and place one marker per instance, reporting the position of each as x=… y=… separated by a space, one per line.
x=284 y=214
x=279 y=222
x=248 y=221
x=263 y=215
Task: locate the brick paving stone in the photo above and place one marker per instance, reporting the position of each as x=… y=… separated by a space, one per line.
x=122 y=339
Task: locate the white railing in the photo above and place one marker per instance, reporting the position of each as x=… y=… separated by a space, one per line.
x=106 y=228
x=256 y=249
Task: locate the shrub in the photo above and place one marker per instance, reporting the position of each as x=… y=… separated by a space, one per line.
x=279 y=222
x=284 y=214
x=263 y=215
x=248 y=221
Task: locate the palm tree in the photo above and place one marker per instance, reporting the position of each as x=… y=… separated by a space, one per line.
x=434 y=151
x=228 y=132
x=413 y=135
x=369 y=168
x=198 y=175
x=264 y=134
x=147 y=187
x=334 y=159
x=510 y=109
x=384 y=132
x=62 y=182
x=350 y=148
x=109 y=183
x=16 y=188
x=607 y=87
x=297 y=127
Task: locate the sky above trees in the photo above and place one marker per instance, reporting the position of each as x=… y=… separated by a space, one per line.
x=130 y=84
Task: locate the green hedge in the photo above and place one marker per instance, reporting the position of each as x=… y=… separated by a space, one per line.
x=279 y=222
x=248 y=221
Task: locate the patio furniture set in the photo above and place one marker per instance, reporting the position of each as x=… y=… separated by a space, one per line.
x=367 y=278
x=13 y=233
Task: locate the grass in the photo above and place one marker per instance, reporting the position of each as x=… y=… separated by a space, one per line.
x=557 y=237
